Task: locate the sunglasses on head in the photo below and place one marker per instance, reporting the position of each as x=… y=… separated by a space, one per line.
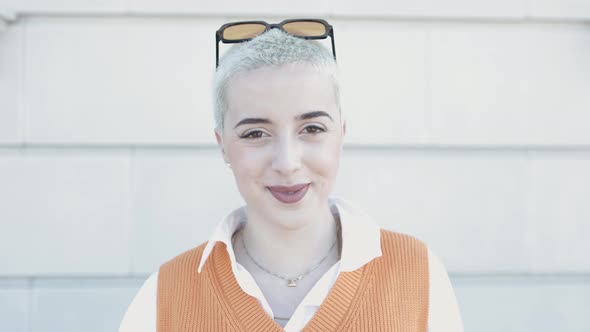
x=238 y=32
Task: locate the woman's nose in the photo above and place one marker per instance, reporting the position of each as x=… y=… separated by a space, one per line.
x=286 y=156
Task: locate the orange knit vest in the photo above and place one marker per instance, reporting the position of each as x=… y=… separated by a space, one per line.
x=390 y=293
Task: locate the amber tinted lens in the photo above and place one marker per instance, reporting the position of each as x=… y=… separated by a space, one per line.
x=243 y=31
x=305 y=29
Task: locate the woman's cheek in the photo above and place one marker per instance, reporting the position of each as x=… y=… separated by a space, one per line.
x=247 y=155
x=325 y=164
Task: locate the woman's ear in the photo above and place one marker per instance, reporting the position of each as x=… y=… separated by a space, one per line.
x=219 y=139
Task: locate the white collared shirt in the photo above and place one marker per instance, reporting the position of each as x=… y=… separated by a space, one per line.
x=361 y=243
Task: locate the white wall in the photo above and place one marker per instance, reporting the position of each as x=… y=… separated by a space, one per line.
x=471 y=119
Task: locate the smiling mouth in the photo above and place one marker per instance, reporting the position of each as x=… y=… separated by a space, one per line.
x=289 y=194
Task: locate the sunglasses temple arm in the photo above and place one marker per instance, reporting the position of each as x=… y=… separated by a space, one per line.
x=216 y=51
x=333 y=47
x=217 y=56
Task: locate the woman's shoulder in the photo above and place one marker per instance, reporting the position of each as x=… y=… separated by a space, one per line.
x=389 y=237
x=141 y=313
x=188 y=255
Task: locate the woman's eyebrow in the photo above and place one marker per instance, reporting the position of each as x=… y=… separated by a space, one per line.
x=311 y=115
x=252 y=121
x=301 y=117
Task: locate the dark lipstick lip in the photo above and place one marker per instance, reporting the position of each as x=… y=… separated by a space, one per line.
x=291 y=195
x=283 y=189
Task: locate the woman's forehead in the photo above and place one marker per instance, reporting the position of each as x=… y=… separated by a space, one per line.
x=280 y=92
x=276 y=116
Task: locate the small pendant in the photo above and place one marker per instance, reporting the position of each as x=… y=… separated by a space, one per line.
x=292 y=281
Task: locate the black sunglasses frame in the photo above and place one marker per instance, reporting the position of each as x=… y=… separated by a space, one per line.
x=219 y=33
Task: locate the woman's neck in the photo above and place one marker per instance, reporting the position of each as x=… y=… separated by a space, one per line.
x=288 y=251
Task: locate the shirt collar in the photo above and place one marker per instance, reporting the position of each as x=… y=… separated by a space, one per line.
x=361 y=238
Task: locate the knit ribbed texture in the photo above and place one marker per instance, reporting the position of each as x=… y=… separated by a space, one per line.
x=390 y=293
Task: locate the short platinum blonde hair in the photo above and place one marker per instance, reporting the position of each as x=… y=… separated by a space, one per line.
x=272 y=48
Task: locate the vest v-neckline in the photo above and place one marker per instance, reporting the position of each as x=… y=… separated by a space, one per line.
x=336 y=310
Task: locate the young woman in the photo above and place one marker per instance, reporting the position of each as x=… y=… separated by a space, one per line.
x=293 y=258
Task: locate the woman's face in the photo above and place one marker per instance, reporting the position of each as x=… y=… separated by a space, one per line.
x=283 y=137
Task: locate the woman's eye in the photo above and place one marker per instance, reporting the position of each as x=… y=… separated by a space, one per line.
x=253 y=134
x=313 y=130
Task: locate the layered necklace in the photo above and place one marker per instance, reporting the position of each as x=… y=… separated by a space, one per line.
x=292 y=282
